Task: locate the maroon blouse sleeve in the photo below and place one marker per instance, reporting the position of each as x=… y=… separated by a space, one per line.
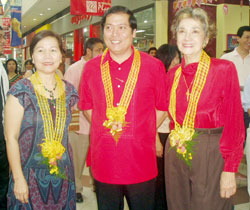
x=231 y=143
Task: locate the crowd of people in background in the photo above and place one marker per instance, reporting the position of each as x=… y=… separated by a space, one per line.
x=164 y=128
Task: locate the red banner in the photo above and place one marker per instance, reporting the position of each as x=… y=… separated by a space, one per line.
x=7 y=34
x=89 y=7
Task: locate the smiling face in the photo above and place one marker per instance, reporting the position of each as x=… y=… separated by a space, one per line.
x=47 y=55
x=244 y=41
x=118 y=35
x=191 y=39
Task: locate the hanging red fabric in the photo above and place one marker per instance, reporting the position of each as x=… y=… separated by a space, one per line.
x=89 y=7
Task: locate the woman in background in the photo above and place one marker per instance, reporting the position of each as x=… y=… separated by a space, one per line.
x=12 y=70
x=29 y=68
x=170 y=56
x=37 y=115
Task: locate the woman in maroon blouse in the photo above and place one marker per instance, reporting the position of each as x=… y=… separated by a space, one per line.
x=207 y=129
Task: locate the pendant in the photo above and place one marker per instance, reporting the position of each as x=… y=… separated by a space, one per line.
x=53 y=102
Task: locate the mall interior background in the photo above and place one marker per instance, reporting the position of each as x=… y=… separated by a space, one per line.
x=154 y=18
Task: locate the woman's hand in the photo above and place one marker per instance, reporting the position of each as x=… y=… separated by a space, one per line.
x=227 y=184
x=159 y=147
x=21 y=190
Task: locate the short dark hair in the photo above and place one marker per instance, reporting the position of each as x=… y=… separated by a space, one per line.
x=43 y=34
x=152 y=48
x=1 y=28
x=90 y=43
x=166 y=53
x=6 y=64
x=120 y=9
x=242 y=29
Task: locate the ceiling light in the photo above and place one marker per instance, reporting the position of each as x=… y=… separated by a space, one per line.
x=41 y=14
x=140 y=31
x=145 y=21
x=85 y=30
x=24 y=26
x=34 y=19
x=49 y=8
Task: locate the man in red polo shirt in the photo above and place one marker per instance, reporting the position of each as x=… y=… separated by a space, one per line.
x=123 y=93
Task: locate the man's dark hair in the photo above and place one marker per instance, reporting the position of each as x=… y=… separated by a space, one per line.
x=90 y=44
x=1 y=28
x=120 y=9
x=242 y=29
x=152 y=48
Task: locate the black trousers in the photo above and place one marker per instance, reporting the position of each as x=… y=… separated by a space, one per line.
x=4 y=175
x=246 y=122
x=160 y=192
x=139 y=196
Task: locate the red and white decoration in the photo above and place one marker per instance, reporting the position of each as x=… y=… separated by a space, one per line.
x=89 y=7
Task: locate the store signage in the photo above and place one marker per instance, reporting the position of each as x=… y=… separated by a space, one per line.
x=178 y=4
x=6 y=29
x=16 y=19
x=89 y=7
x=78 y=18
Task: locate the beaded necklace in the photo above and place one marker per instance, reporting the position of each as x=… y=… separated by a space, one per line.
x=181 y=137
x=51 y=148
x=116 y=115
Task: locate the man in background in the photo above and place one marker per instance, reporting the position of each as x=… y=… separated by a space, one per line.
x=240 y=56
x=152 y=51
x=79 y=140
x=4 y=165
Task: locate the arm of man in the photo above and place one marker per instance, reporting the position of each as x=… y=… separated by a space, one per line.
x=160 y=117
x=88 y=114
x=13 y=118
x=246 y=96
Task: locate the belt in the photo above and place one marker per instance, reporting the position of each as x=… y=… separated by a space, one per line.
x=209 y=131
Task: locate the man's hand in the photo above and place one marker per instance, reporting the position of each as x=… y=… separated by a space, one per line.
x=227 y=184
x=159 y=147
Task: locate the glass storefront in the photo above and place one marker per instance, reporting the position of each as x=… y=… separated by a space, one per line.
x=145 y=34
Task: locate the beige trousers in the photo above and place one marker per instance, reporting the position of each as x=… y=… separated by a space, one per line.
x=80 y=145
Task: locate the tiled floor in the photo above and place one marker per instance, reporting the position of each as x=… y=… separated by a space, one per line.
x=241 y=199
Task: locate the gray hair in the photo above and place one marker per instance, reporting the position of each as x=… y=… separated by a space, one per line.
x=197 y=14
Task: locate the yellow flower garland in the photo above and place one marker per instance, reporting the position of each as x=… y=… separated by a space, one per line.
x=116 y=115
x=51 y=147
x=181 y=137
